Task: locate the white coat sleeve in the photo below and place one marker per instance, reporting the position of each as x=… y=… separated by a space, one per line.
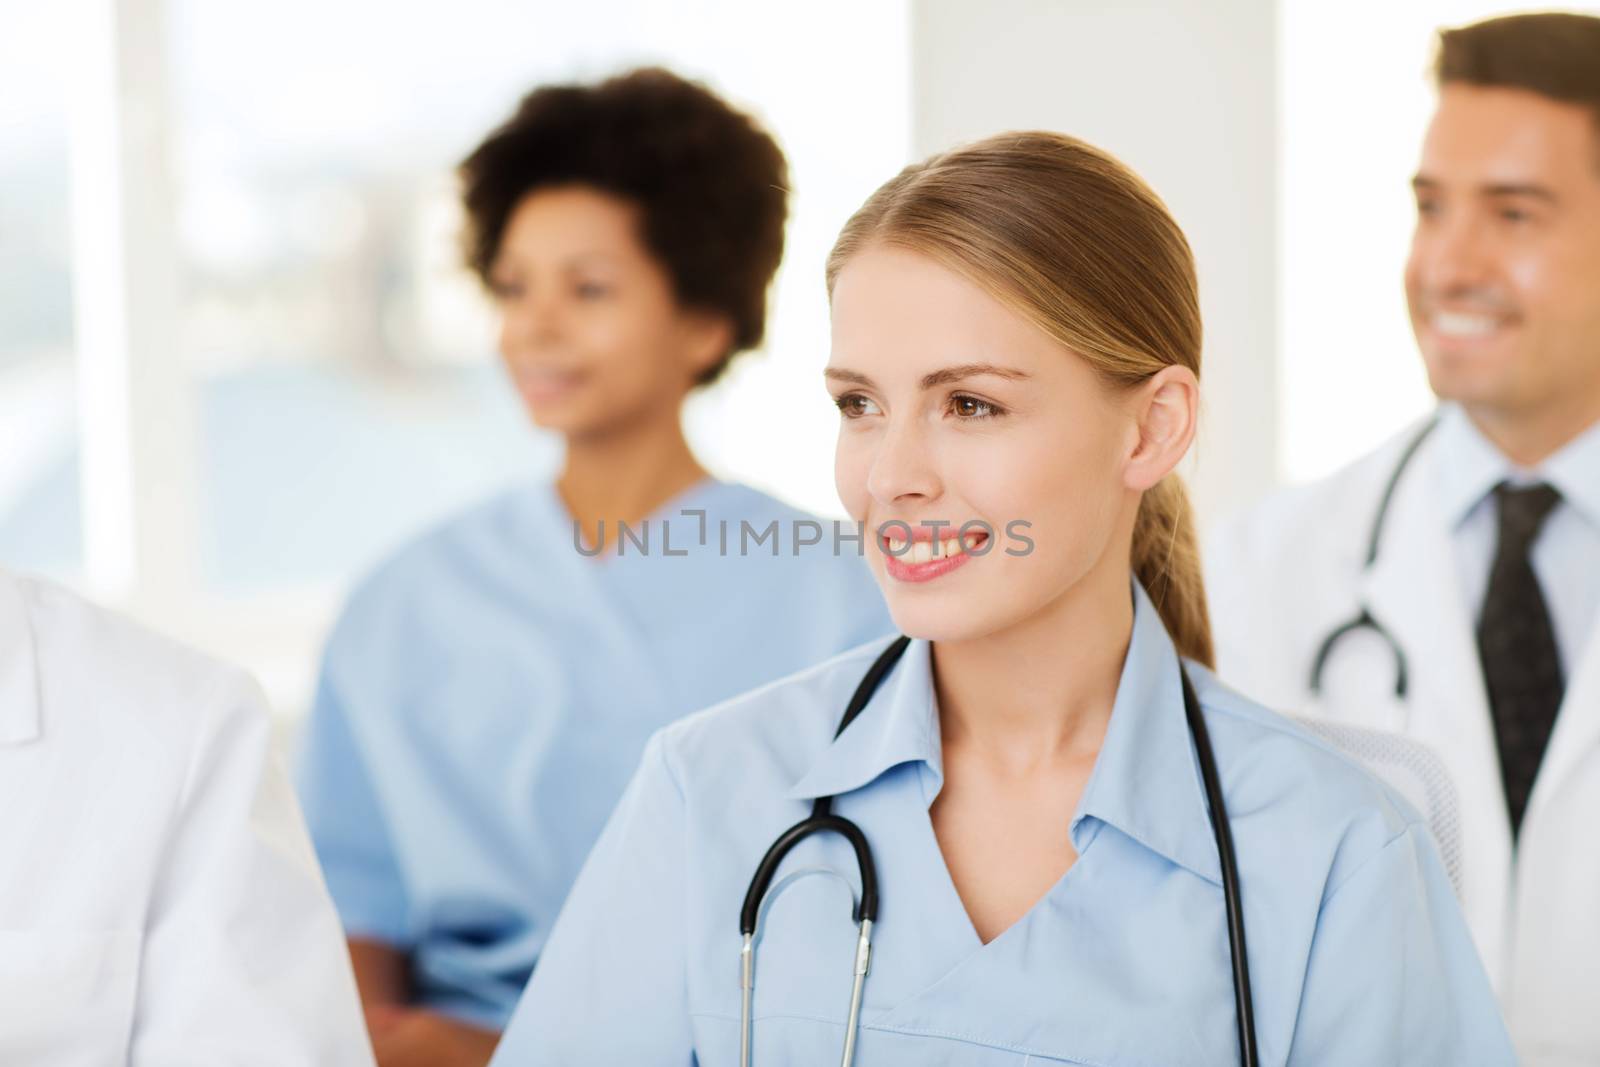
x=243 y=962
x=611 y=986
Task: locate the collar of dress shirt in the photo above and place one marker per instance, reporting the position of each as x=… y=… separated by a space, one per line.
x=1469 y=466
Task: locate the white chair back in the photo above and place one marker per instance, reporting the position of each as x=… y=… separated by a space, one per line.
x=1411 y=769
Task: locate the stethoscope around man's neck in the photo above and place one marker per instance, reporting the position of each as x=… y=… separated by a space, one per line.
x=1363 y=619
x=823 y=820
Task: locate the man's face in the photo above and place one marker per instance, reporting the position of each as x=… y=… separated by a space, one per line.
x=1504 y=274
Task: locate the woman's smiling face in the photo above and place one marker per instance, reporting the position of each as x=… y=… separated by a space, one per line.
x=590 y=326
x=955 y=409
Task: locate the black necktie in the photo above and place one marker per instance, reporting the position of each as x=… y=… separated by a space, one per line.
x=1521 y=665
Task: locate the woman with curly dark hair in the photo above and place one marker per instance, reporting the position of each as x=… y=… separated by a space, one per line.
x=489 y=689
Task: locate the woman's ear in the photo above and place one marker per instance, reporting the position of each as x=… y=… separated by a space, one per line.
x=1167 y=411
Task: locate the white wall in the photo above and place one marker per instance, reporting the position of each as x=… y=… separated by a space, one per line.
x=1183 y=91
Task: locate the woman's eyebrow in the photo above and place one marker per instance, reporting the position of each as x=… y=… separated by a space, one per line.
x=934 y=379
x=587 y=258
x=849 y=377
x=948 y=375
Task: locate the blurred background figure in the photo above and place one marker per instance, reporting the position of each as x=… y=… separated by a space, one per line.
x=488 y=691
x=1448 y=584
x=159 y=899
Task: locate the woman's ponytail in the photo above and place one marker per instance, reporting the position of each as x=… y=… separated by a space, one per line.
x=1166 y=560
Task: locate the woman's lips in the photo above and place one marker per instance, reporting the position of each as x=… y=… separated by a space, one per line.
x=923 y=559
x=547 y=385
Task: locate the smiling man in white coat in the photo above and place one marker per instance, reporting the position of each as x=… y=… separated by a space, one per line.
x=1448 y=585
x=160 y=904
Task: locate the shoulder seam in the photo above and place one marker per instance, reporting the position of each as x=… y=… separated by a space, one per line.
x=661 y=743
x=1366 y=862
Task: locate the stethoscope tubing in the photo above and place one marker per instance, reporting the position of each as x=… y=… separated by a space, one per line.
x=1232 y=896
x=822 y=820
x=1363 y=619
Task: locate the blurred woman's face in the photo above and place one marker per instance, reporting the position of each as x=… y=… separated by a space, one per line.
x=590 y=329
x=955 y=409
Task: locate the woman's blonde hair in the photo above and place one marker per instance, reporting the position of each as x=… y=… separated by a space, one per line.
x=1075 y=242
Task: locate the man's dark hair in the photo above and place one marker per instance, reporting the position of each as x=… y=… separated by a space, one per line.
x=1556 y=55
x=710 y=185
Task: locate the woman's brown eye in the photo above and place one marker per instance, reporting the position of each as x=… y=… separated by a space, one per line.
x=970 y=407
x=852 y=404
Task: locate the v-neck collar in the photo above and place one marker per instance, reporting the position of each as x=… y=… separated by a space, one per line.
x=1146 y=779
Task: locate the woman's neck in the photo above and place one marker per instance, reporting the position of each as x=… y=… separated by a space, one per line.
x=1041 y=692
x=626 y=476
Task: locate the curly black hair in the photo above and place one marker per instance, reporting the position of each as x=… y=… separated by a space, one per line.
x=711 y=186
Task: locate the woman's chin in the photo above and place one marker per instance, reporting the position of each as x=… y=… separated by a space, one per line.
x=950 y=622
x=572 y=420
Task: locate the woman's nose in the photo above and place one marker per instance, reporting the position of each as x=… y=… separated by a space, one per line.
x=902 y=465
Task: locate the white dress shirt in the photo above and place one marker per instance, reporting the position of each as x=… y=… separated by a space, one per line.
x=1566 y=555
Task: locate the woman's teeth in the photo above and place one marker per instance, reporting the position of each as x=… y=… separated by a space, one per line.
x=927 y=551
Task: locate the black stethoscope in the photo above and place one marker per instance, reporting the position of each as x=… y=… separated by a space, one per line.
x=822 y=820
x=1364 y=619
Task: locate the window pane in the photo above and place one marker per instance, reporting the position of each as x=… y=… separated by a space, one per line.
x=346 y=386
x=39 y=517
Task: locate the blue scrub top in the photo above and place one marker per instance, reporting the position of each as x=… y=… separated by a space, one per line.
x=488 y=692
x=1358 y=952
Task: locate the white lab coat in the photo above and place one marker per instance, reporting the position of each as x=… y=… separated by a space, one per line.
x=160 y=904
x=1286 y=574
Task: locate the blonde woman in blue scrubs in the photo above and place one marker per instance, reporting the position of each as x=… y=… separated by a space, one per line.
x=1016 y=341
